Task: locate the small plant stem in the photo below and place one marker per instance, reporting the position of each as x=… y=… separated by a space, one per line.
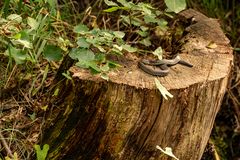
x=4 y=143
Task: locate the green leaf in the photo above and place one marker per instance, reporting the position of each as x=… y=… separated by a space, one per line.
x=18 y=55
x=94 y=67
x=104 y=76
x=32 y=23
x=162 y=89
x=82 y=54
x=162 y=23
x=81 y=28
x=56 y=91
x=116 y=51
x=107 y=35
x=158 y=52
x=236 y=49
x=67 y=75
x=52 y=53
x=112 y=9
x=15 y=17
x=146 y=42
x=100 y=57
x=176 y=5
x=110 y=3
x=146 y=8
x=112 y=64
x=142 y=33
x=127 y=4
x=143 y=28
x=120 y=48
x=85 y=57
x=119 y=34
x=32 y=116
x=150 y=19
x=129 y=48
x=24 y=43
x=17 y=36
x=101 y=49
x=83 y=43
x=104 y=68
x=41 y=154
x=134 y=21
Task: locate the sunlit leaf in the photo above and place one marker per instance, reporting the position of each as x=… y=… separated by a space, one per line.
x=104 y=76
x=15 y=17
x=24 y=43
x=143 y=28
x=129 y=48
x=44 y=107
x=32 y=116
x=67 y=75
x=19 y=56
x=120 y=48
x=105 y=68
x=17 y=36
x=81 y=28
x=146 y=8
x=119 y=34
x=134 y=21
x=116 y=51
x=146 y=41
x=158 y=52
x=150 y=19
x=94 y=67
x=41 y=154
x=167 y=151
x=142 y=33
x=100 y=57
x=83 y=43
x=56 y=91
x=212 y=45
x=164 y=92
x=52 y=53
x=110 y=3
x=127 y=4
x=112 y=9
x=176 y=5
x=112 y=64
x=101 y=49
x=32 y=23
x=82 y=54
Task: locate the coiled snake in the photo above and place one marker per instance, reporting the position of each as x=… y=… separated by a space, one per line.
x=160 y=67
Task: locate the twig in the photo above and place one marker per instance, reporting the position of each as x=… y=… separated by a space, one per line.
x=4 y=143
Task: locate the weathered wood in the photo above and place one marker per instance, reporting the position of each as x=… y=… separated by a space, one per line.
x=126 y=117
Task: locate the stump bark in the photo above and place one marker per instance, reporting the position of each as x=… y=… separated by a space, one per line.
x=126 y=117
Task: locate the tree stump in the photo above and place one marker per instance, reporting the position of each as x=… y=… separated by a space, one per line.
x=126 y=117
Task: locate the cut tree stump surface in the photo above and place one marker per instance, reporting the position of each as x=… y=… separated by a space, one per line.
x=210 y=63
x=126 y=117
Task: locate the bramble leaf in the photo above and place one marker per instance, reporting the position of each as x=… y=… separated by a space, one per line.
x=81 y=28
x=176 y=5
x=52 y=53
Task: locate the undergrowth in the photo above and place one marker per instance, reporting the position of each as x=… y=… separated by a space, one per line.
x=35 y=36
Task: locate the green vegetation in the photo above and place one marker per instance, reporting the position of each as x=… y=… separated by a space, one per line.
x=35 y=36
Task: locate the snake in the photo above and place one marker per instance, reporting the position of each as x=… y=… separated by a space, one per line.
x=161 y=67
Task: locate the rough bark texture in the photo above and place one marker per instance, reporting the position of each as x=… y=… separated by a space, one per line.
x=126 y=117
